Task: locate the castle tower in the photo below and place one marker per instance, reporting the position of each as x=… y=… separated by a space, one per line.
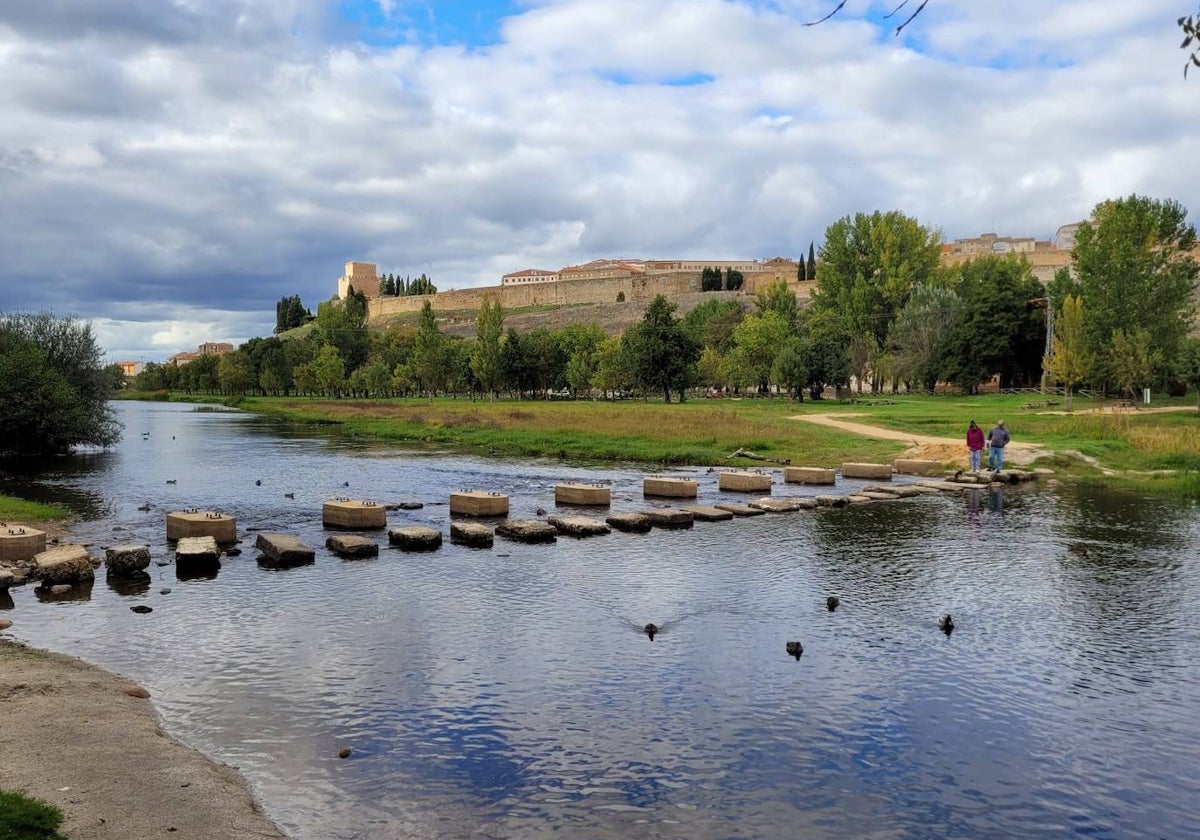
x=360 y=275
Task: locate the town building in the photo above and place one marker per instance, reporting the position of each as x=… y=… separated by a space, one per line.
x=529 y=275
x=208 y=348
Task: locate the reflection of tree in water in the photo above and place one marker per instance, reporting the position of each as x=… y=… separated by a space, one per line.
x=52 y=481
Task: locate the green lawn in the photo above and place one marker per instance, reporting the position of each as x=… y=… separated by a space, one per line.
x=22 y=818
x=20 y=510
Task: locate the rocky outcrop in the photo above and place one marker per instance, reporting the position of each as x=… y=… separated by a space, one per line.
x=527 y=530
x=64 y=564
x=127 y=560
x=474 y=534
x=579 y=526
x=283 y=551
x=415 y=538
x=352 y=547
x=635 y=523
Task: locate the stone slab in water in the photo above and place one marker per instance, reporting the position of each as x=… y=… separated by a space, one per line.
x=670 y=518
x=858 y=499
x=474 y=534
x=744 y=482
x=527 y=530
x=902 y=491
x=704 y=513
x=19 y=543
x=786 y=505
x=478 y=503
x=878 y=496
x=947 y=486
x=353 y=515
x=281 y=551
x=349 y=545
x=127 y=559
x=879 y=472
x=674 y=488
x=415 y=538
x=637 y=523
x=597 y=495
x=198 y=551
x=832 y=501
x=579 y=526
x=739 y=510
x=917 y=466
x=809 y=475
x=7 y=579
x=63 y=564
x=201 y=523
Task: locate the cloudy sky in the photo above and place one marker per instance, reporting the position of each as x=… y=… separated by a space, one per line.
x=170 y=168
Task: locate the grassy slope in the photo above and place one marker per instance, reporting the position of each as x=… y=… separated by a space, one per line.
x=19 y=510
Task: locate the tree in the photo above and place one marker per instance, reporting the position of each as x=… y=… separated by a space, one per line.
x=663 y=354
x=1189 y=358
x=791 y=367
x=53 y=388
x=1068 y=361
x=1134 y=360
x=712 y=370
x=343 y=324
x=329 y=372
x=429 y=352
x=801 y=271
x=734 y=279
x=711 y=324
x=869 y=265
x=781 y=300
x=235 y=373
x=825 y=351
x=920 y=336
x=757 y=342
x=114 y=376
x=1002 y=329
x=710 y=279
x=812 y=262
x=290 y=313
x=862 y=353
x=487 y=361
x=1136 y=274
x=614 y=367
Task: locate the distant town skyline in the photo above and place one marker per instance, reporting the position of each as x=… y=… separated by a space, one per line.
x=170 y=171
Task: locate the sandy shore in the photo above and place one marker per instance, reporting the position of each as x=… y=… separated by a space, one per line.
x=70 y=735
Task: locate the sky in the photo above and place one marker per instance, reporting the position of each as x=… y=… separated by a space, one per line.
x=169 y=169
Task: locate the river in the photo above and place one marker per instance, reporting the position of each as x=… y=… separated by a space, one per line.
x=509 y=692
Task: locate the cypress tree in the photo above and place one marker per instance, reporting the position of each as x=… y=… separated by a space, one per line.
x=812 y=262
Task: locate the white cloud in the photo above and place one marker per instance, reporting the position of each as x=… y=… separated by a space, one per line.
x=216 y=158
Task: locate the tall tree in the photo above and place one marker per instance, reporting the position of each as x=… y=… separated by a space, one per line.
x=757 y=343
x=1189 y=359
x=812 y=263
x=664 y=355
x=429 y=359
x=1135 y=360
x=487 y=361
x=1136 y=274
x=1069 y=361
x=343 y=324
x=869 y=265
x=825 y=345
x=710 y=279
x=920 y=336
x=290 y=313
x=781 y=300
x=711 y=324
x=734 y=279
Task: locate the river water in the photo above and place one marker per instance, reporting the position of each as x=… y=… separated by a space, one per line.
x=509 y=692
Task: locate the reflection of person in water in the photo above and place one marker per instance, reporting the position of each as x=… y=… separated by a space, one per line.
x=997 y=500
x=973 y=507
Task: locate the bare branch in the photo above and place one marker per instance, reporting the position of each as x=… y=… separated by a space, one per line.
x=836 y=9
x=911 y=17
x=893 y=11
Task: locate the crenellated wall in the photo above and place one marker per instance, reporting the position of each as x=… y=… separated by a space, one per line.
x=569 y=292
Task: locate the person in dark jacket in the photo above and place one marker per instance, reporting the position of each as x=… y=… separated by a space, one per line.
x=975 y=445
x=998 y=438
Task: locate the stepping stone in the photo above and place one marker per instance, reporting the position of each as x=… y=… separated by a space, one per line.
x=474 y=534
x=579 y=526
x=832 y=501
x=744 y=482
x=809 y=475
x=7 y=579
x=283 y=551
x=858 y=499
x=201 y=523
x=739 y=510
x=671 y=518
x=478 y=503
x=350 y=546
x=876 y=496
x=902 y=490
x=637 y=523
x=127 y=559
x=353 y=515
x=64 y=564
x=709 y=514
x=917 y=466
x=415 y=538
x=198 y=552
x=527 y=530
x=19 y=543
x=876 y=471
x=597 y=495
x=776 y=505
x=676 y=488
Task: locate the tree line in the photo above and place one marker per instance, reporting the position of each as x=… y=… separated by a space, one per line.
x=885 y=313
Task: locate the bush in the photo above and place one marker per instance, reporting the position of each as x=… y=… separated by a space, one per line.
x=54 y=390
x=22 y=818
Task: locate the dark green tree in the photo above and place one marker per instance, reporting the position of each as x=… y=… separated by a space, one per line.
x=710 y=279
x=290 y=313
x=664 y=355
x=781 y=300
x=343 y=324
x=53 y=388
x=801 y=271
x=812 y=262
x=430 y=360
x=826 y=346
x=734 y=279
x=711 y=324
x=487 y=361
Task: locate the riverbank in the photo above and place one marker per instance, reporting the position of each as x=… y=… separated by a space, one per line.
x=75 y=737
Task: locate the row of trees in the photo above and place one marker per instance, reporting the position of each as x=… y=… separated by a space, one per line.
x=711 y=279
x=392 y=286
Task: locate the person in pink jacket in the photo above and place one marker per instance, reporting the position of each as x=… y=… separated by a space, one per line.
x=975 y=445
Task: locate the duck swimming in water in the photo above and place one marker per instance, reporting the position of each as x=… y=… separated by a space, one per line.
x=832 y=602
x=946 y=624
x=650 y=630
x=794 y=649
x=1075 y=548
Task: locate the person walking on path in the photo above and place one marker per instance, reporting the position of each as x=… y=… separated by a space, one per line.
x=998 y=437
x=975 y=445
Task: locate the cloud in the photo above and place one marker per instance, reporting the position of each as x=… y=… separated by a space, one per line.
x=198 y=161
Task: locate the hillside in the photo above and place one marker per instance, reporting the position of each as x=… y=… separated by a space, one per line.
x=613 y=318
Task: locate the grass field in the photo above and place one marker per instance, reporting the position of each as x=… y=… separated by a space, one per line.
x=22 y=818
x=18 y=510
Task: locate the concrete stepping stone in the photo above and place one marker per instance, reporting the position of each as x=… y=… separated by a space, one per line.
x=704 y=513
x=579 y=526
x=832 y=501
x=127 y=559
x=474 y=534
x=809 y=475
x=65 y=564
x=637 y=523
x=478 y=503
x=739 y=510
x=19 y=543
x=674 y=488
x=415 y=538
x=670 y=518
x=352 y=547
x=283 y=551
x=353 y=515
x=527 y=530
x=583 y=495
x=201 y=523
x=879 y=472
x=198 y=552
x=744 y=482
x=917 y=466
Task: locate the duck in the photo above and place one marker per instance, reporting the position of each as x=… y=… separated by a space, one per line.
x=1075 y=548
x=144 y=508
x=650 y=629
x=345 y=483
x=289 y=495
x=832 y=602
x=172 y=481
x=540 y=511
x=258 y=482
x=946 y=624
x=794 y=649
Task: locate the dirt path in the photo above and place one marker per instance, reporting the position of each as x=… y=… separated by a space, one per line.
x=71 y=736
x=937 y=448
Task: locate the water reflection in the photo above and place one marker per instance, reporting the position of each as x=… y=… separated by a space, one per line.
x=513 y=691
x=137 y=583
x=58 y=593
